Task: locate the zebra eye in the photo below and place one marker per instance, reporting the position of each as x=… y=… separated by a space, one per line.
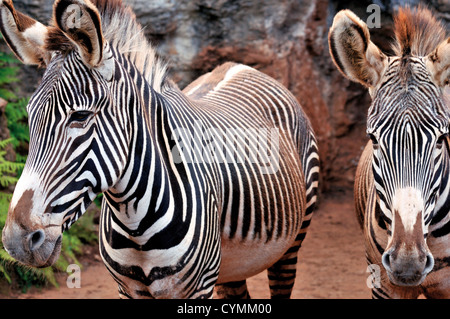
x=440 y=141
x=373 y=139
x=79 y=116
x=379 y=193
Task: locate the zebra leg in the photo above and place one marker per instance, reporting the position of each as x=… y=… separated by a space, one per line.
x=232 y=290
x=282 y=273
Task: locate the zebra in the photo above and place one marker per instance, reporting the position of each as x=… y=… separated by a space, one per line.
x=202 y=187
x=402 y=180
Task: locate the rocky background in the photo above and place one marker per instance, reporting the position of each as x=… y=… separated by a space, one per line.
x=286 y=39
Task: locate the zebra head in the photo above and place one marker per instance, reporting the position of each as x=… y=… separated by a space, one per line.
x=71 y=159
x=408 y=124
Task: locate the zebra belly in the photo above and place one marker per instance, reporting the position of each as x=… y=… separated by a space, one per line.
x=243 y=259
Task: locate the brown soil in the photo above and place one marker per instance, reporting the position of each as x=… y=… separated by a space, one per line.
x=331 y=262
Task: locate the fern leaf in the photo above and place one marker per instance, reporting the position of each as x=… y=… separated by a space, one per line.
x=5 y=143
x=5 y=274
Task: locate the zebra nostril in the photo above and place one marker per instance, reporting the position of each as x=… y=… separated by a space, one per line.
x=386 y=260
x=36 y=239
x=429 y=264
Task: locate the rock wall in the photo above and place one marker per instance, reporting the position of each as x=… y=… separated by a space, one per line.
x=287 y=39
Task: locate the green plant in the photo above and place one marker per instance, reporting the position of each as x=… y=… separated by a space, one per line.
x=8 y=75
x=16 y=110
x=17 y=117
x=7 y=168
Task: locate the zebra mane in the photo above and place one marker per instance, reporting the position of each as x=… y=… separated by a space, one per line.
x=124 y=34
x=417 y=32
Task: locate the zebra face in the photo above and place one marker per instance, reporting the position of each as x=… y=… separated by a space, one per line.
x=75 y=150
x=407 y=123
x=408 y=126
x=71 y=159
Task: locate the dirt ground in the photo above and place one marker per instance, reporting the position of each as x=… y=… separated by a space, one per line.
x=331 y=263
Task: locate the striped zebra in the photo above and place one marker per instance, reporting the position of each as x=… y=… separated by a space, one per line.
x=402 y=180
x=205 y=186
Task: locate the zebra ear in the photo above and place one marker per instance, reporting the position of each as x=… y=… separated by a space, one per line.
x=24 y=35
x=438 y=63
x=80 y=22
x=358 y=58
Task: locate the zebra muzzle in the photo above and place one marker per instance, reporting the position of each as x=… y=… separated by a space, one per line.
x=407 y=259
x=407 y=268
x=38 y=248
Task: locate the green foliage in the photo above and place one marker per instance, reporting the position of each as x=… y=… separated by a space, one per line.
x=8 y=75
x=17 y=118
x=16 y=110
x=7 y=169
x=98 y=200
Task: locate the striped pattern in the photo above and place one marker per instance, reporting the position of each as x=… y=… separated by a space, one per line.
x=266 y=196
x=408 y=124
x=407 y=131
x=376 y=228
x=63 y=150
x=208 y=185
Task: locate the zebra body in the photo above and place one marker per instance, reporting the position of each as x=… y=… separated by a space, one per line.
x=266 y=196
x=402 y=180
x=241 y=200
x=208 y=185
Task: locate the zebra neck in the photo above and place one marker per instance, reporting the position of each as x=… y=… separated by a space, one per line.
x=439 y=225
x=152 y=186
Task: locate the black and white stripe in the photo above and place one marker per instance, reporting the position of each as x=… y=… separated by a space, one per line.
x=174 y=225
x=409 y=148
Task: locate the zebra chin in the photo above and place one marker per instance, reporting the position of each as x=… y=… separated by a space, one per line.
x=412 y=279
